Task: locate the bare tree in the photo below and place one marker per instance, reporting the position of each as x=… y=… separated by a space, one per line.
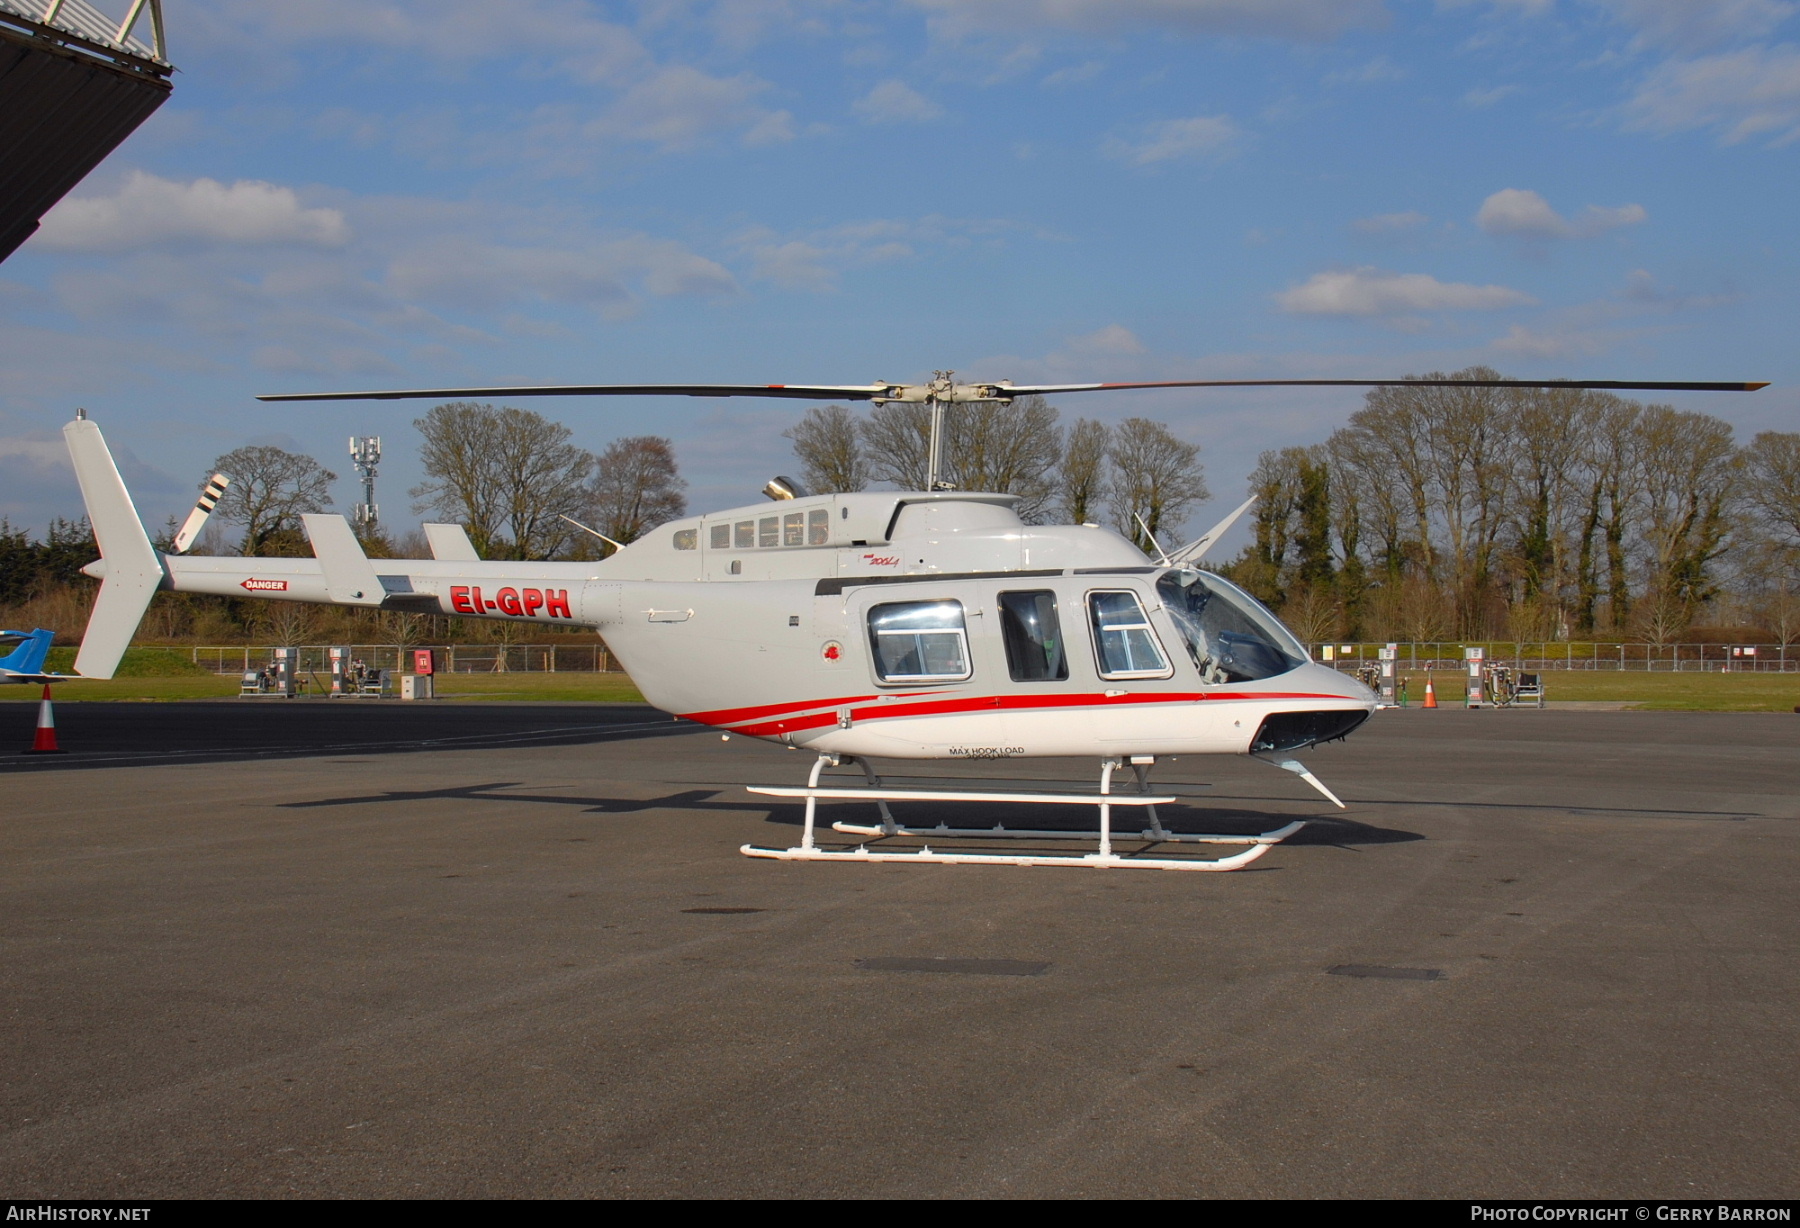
x=1154 y=475
x=1370 y=502
x=636 y=487
x=897 y=439
x=1546 y=430
x=270 y=490
x=1083 y=473
x=1772 y=483
x=1689 y=471
x=508 y=475
x=540 y=475
x=830 y=453
x=1311 y=613
x=1610 y=499
x=1006 y=449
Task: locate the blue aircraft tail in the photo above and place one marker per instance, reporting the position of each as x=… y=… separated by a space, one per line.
x=28 y=657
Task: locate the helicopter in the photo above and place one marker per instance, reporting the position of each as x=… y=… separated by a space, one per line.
x=862 y=626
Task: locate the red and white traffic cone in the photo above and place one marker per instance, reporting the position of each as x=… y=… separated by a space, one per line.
x=1430 y=695
x=45 y=742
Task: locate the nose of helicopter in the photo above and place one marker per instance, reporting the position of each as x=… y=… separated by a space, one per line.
x=1322 y=680
x=1321 y=705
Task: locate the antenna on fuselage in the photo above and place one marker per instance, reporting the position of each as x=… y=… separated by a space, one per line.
x=1162 y=556
x=596 y=532
x=1196 y=550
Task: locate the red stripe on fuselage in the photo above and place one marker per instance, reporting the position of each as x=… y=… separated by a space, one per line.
x=994 y=703
x=731 y=716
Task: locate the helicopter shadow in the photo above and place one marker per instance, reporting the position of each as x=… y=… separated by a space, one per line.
x=499 y=791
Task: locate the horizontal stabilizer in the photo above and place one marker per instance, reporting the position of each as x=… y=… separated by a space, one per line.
x=134 y=571
x=350 y=579
x=450 y=544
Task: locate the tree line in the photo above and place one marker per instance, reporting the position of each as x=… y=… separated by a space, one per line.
x=1087 y=473
x=512 y=478
x=1531 y=514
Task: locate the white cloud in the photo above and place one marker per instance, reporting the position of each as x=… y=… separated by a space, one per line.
x=1693 y=25
x=1374 y=72
x=1073 y=75
x=894 y=102
x=679 y=106
x=1524 y=214
x=561 y=32
x=468 y=272
x=1479 y=98
x=1309 y=20
x=342 y=360
x=1389 y=223
x=1740 y=94
x=148 y=210
x=1563 y=343
x=1173 y=139
x=1375 y=292
x=37 y=453
x=1112 y=341
x=814 y=259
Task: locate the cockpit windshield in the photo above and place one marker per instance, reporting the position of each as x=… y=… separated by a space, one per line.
x=1229 y=634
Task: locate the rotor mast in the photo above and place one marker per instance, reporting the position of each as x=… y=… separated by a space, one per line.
x=938 y=395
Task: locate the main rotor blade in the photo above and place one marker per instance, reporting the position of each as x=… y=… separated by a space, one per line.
x=799 y=392
x=873 y=392
x=1609 y=384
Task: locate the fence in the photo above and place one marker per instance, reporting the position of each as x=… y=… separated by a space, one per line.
x=1527 y=656
x=452 y=658
x=1533 y=657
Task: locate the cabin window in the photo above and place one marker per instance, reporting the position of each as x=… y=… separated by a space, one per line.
x=721 y=537
x=745 y=535
x=1034 y=645
x=793 y=529
x=1124 y=642
x=687 y=539
x=818 y=527
x=768 y=531
x=919 y=641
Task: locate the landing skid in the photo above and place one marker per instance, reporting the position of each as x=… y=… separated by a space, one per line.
x=1002 y=832
x=1104 y=801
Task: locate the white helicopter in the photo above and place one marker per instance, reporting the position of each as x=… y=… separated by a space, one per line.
x=909 y=625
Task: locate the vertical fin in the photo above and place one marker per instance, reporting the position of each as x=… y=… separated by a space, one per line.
x=28 y=657
x=134 y=571
x=350 y=578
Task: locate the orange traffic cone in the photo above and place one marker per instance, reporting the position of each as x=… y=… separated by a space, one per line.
x=1430 y=695
x=45 y=742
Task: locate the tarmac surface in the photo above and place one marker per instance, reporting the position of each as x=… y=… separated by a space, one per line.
x=338 y=950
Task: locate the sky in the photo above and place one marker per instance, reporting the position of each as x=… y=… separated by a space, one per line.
x=392 y=194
